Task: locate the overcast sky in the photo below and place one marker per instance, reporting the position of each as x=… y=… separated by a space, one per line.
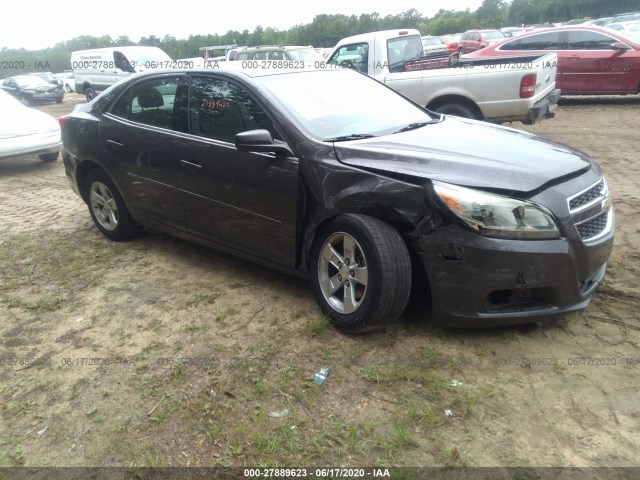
x=38 y=24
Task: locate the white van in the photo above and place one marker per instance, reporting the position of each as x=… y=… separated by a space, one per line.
x=97 y=69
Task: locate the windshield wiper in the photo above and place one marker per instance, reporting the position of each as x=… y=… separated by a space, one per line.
x=353 y=136
x=416 y=125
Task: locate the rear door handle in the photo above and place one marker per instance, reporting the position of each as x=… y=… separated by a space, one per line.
x=191 y=165
x=115 y=145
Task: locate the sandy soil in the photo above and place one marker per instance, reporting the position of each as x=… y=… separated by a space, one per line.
x=70 y=295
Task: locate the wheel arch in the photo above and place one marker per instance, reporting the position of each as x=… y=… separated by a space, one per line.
x=312 y=231
x=456 y=99
x=83 y=171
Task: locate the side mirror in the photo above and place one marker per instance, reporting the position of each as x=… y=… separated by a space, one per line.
x=261 y=141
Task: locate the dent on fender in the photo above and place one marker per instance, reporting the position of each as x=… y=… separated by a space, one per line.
x=335 y=188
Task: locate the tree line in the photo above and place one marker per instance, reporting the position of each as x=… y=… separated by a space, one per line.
x=326 y=30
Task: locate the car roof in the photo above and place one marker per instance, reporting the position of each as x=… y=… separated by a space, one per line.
x=592 y=28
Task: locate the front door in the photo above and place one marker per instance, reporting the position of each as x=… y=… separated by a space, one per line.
x=245 y=201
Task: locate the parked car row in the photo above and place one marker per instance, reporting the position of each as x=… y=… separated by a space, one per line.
x=591 y=60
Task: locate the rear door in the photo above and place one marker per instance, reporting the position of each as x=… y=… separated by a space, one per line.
x=138 y=141
x=245 y=201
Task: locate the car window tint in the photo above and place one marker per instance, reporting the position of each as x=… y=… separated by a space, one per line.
x=151 y=102
x=220 y=109
x=585 y=40
x=353 y=56
x=541 y=41
x=276 y=55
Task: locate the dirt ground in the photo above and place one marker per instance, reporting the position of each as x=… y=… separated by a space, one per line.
x=158 y=352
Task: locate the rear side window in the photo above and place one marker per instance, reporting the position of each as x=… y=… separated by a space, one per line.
x=541 y=41
x=585 y=40
x=151 y=102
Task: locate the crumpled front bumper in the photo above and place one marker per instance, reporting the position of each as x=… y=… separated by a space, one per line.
x=477 y=281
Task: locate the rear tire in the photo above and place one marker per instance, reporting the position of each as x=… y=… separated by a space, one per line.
x=360 y=272
x=107 y=208
x=457 y=109
x=90 y=94
x=49 y=157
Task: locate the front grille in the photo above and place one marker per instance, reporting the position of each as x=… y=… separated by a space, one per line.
x=587 y=197
x=594 y=227
x=591 y=211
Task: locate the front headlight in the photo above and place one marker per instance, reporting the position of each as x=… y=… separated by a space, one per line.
x=496 y=215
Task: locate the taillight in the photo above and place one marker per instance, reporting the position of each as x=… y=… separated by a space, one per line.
x=528 y=85
x=63 y=119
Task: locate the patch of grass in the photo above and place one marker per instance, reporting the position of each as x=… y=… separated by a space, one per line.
x=18 y=453
x=233 y=448
x=318 y=325
x=203 y=299
x=19 y=408
x=92 y=411
x=164 y=410
x=179 y=373
x=286 y=376
x=227 y=312
x=47 y=304
x=153 y=459
x=401 y=436
x=192 y=327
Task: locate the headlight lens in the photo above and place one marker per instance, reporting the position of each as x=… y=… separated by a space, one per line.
x=496 y=215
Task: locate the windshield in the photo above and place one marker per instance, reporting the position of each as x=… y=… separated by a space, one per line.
x=492 y=35
x=144 y=55
x=305 y=55
x=337 y=103
x=630 y=36
x=431 y=41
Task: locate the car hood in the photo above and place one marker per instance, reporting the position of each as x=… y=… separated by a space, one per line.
x=21 y=121
x=470 y=153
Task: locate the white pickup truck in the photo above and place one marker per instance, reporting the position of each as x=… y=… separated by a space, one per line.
x=507 y=89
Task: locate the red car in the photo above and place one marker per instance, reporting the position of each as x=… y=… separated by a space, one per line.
x=591 y=60
x=473 y=40
x=452 y=42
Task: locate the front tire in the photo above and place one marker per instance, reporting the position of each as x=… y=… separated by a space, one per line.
x=360 y=272
x=107 y=208
x=90 y=93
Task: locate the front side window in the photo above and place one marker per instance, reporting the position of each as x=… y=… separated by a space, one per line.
x=541 y=41
x=220 y=109
x=150 y=102
x=353 y=56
